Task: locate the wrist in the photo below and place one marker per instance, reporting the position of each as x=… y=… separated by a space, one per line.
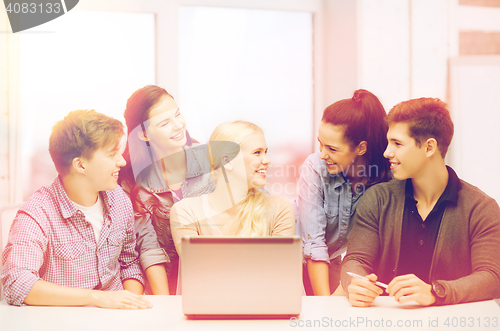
x=438 y=292
x=92 y=297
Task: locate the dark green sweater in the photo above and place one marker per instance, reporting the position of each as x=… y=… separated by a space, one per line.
x=466 y=257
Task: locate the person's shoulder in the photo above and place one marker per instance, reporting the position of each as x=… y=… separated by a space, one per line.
x=126 y=184
x=313 y=166
x=188 y=203
x=197 y=150
x=276 y=199
x=117 y=193
x=279 y=202
x=313 y=159
x=197 y=159
x=473 y=195
x=394 y=186
x=118 y=199
x=40 y=202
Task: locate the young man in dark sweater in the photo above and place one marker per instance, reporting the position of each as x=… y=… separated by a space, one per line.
x=432 y=237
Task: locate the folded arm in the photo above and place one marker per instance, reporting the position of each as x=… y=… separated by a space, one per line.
x=49 y=294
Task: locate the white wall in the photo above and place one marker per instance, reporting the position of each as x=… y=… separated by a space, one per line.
x=476 y=117
x=398 y=49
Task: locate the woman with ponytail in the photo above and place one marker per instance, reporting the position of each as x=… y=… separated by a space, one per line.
x=164 y=165
x=352 y=139
x=237 y=152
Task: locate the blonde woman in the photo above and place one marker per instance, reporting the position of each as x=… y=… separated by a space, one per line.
x=237 y=206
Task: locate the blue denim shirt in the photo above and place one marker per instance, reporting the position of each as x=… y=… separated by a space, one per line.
x=324 y=210
x=153 y=234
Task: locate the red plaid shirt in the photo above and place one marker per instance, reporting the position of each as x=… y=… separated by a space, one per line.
x=51 y=240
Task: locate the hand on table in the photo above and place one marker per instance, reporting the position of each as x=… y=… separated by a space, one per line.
x=119 y=299
x=362 y=292
x=409 y=287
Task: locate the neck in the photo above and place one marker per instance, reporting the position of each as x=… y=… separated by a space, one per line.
x=220 y=199
x=79 y=191
x=430 y=183
x=357 y=172
x=174 y=167
x=169 y=153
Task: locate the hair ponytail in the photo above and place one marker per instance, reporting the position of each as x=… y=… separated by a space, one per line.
x=363 y=117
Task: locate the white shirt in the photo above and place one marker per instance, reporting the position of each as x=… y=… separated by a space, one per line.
x=95 y=216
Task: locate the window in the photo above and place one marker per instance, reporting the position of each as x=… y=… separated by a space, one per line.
x=65 y=67
x=253 y=65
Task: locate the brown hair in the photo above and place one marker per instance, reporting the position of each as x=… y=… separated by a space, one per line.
x=80 y=134
x=136 y=115
x=363 y=119
x=426 y=118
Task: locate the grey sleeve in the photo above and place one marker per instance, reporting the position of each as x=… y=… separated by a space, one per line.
x=150 y=252
x=363 y=245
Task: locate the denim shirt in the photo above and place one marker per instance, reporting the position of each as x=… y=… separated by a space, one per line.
x=153 y=233
x=325 y=208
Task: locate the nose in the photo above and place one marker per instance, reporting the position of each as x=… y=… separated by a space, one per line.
x=388 y=153
x=266 y=160
x=322 y=153
x=121 y=161
x=178 y=124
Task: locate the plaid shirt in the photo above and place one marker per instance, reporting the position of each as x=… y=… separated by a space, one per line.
x=50 y=240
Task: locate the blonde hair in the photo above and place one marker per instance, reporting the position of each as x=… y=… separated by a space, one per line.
x=252 y=215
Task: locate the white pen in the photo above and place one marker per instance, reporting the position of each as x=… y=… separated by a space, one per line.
x=352 y=274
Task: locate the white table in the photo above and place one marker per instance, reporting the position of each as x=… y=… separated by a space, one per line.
x=324 y=313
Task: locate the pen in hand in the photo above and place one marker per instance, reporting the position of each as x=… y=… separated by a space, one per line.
x=352 y=274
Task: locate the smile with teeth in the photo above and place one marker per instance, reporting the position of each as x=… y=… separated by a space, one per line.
x=262 y=171
x=394 y=165
x=115 y=174
x=178 y=136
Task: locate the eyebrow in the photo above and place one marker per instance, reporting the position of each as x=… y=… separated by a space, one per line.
x=330 y=146
x=168 y=119
x=162 y=121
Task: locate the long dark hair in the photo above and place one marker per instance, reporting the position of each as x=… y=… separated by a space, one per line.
x=363 y=118
x=136 y=115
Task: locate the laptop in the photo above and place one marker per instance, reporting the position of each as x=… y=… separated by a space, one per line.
x=241 y=277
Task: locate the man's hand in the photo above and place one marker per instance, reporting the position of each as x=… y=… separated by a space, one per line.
x=119 y=299
x=409 y=287
x=362 y=292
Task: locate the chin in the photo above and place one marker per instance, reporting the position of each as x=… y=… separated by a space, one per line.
x=110 y=187
x=257 y=185
x=334 y=171
x=399 y=176
x=179 y=143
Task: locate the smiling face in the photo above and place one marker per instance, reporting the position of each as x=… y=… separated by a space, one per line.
x=256 y=162
x=166 y=127
x=406 y=158
x=334 y=149
x=101 y=170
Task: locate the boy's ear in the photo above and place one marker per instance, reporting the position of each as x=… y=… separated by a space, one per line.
x=362 y=148
x=431 y=147
x=78 y=165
